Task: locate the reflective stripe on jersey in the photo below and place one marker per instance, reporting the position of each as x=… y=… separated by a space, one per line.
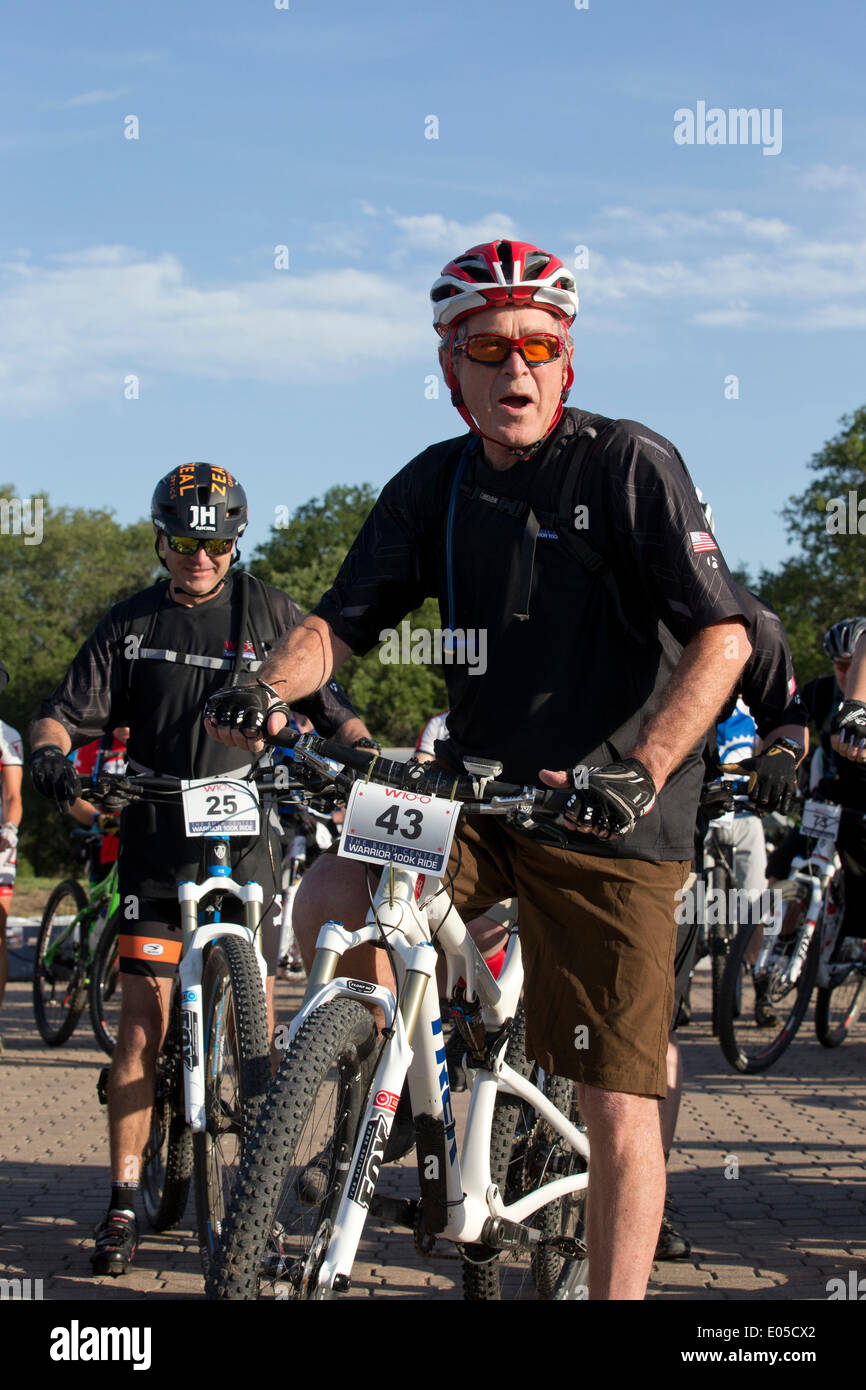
x=210 y=663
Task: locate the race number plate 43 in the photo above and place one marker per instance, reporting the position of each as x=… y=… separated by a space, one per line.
x=217 y=806
x=821 y=820
x=413 y=831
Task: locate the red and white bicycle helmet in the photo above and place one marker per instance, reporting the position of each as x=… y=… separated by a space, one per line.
x=493 y=274
x=502 y=272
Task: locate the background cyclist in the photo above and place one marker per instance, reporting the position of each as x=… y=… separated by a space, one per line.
x=149 y=664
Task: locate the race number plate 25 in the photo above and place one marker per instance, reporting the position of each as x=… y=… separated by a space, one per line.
x=413 y=831
x=821 y=820
x=219 y=806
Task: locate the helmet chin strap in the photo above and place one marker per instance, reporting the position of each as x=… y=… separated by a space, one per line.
x=179 y=589
x=520 y=451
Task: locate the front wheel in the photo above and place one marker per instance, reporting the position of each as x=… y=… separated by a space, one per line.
x=295 y=1167
x=838 y=1006
x=525 y=1152
x=236 y=1075
x=60 y=968
x=759 y=1014
x=166 y=1167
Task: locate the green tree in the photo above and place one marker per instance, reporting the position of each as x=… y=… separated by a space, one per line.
x=53 y=594
x=826 y=579
x=302 y=558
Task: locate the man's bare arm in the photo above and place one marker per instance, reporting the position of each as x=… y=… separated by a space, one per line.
x=300 y=664
x=704 y=677
x=703 y=680
x=304 y=659
x=48 y=731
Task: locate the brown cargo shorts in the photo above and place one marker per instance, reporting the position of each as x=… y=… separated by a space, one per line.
x=598 y=937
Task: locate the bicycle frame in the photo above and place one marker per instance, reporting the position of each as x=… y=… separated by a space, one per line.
x=815 y=873
x=467 y=1197
x=102 y=893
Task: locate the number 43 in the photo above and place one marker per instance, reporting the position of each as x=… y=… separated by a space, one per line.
x=388 y=822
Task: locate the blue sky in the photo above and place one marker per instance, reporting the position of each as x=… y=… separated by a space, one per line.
x=261 y=127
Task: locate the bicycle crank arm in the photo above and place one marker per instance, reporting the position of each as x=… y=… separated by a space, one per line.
x=568 y=1246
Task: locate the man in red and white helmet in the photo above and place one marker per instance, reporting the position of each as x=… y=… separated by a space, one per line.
x=614 y=634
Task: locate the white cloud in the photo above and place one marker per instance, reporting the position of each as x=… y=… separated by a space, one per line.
x=76 y=328
x=433 y=232
x=784 y=282
x=674 y=225
x=96 y=97
x=834 y=178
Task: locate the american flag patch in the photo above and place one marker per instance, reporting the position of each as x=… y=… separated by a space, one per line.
x=702 y=540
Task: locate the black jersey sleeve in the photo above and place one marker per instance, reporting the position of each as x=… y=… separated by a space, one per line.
x=668 y=563
x=91 y=698
x=767 y=683
x=329 y=707
x=390 y=568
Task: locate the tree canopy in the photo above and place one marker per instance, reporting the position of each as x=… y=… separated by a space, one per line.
x=825 y=579
x=53 y=593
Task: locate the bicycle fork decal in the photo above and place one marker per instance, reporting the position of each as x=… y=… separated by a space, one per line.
x=366 y=1173
x=450 y=1134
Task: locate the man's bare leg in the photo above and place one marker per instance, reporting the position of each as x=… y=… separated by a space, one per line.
x=626 y=1194
x=132 y=1078
x=669 y=1108
x=336 y=889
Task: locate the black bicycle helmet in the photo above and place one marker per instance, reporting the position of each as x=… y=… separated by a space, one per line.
x=841 y=639
x=199 y=499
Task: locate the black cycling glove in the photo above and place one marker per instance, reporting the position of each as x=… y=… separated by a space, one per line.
x=53 y=775
x=776 y=775
x=610 y=800
x=849 y=722
x=245 y=707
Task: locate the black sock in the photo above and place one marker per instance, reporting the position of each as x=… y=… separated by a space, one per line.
x=123 y=1196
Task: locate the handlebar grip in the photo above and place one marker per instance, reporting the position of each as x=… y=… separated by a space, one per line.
x=749 y=773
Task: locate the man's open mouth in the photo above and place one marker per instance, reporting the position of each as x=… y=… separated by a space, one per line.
x=515 y=402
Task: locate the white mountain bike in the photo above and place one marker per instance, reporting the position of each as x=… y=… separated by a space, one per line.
x=512 y=1200
x=214 y=1066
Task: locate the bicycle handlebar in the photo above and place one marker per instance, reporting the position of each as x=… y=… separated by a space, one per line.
x=416 y=777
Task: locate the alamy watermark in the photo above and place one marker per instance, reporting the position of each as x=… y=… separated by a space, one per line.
x=20 y=1290
x=439 y=646
x=22 y=516
x=846 y=516
x=737 y=126
x=737 y=906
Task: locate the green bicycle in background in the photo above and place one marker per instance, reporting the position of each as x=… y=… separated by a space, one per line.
x=77 y=951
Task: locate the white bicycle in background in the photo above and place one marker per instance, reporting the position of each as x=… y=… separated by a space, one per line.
x=299 y=820
x=511 y=1201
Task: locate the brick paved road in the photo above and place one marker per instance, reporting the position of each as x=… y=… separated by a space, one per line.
x=793 y=1218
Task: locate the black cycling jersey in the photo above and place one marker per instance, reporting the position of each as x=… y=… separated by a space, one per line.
x=152 y=663
x=576 y=679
